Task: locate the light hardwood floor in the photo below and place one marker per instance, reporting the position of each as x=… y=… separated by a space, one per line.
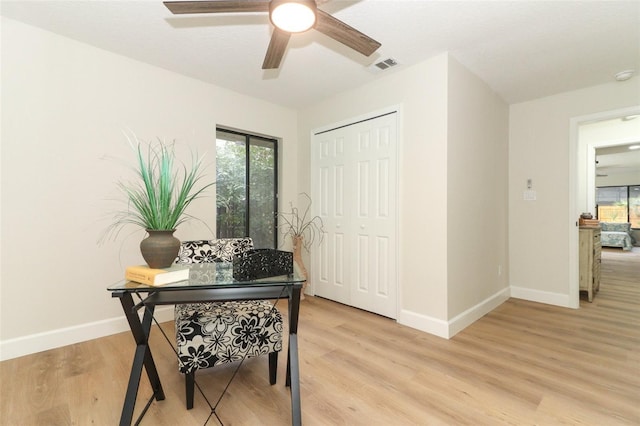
x=523 y=364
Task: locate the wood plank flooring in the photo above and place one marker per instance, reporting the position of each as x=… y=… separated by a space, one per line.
x=523 y=364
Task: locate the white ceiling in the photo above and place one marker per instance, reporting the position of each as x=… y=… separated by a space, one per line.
x=614 y=138
x=617 y=160
x=522 y=49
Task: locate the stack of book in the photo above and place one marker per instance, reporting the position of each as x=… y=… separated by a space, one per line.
x=151 y=276
x=589 y=222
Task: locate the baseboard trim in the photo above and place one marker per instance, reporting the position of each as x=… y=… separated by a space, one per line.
x=38 y=342
x=424 y=323
x=556 y=299
x=26 y=345
x=471 y=315
x=448 y=329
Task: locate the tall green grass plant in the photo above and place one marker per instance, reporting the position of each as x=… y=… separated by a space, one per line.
x=164 y=188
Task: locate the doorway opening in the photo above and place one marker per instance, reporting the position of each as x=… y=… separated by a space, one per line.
x=587 y=133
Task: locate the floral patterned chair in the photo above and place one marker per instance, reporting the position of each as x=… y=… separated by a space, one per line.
x=214 y=333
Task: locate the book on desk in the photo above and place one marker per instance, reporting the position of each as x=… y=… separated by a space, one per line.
x=153 y=276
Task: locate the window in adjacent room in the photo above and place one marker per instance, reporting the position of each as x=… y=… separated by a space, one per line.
x=619 y=204
x=246 y=187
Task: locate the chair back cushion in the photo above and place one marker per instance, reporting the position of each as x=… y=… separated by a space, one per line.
x=207 y=251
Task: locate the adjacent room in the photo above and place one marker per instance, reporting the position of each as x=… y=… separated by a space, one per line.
x=612 y=168
x=444 y=195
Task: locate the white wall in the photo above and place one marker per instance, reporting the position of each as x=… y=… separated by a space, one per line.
x=614 y=131
x=542 y=261
x=64 y=105
x=618 y=179
x=477 y=174
x=422 y=92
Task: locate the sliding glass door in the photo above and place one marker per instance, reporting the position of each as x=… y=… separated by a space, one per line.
x=246 y=187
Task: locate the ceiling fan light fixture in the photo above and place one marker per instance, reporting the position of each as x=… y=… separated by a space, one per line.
x=293 y=16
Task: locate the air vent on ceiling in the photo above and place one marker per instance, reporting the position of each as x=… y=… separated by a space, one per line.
x=387 y=63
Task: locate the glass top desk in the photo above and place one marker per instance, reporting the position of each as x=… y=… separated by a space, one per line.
x=208 y=282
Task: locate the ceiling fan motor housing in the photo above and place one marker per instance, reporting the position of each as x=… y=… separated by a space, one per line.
x=294 y=16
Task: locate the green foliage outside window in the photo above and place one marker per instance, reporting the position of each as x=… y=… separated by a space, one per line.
x=230 y=189
x=246 y=202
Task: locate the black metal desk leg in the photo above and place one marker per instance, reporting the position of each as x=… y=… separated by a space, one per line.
x=149 y=364
x=293 y=372
x=142 y=357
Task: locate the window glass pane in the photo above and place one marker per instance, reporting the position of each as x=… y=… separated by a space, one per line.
x=262 y=155
x=634 y=206
x=230 y=185
x=246 y=186
x=612 y=204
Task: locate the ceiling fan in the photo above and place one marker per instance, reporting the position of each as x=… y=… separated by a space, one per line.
x=288 y=17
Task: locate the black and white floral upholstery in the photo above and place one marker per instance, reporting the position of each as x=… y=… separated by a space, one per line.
x=221 y=250
x=210 y=334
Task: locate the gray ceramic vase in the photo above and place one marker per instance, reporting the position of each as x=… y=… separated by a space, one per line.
x=160 y=248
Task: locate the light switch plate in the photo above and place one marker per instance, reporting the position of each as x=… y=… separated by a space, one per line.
x=529 y=195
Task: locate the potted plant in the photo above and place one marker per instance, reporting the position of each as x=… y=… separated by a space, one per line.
x=157 y=199
x=304 y=231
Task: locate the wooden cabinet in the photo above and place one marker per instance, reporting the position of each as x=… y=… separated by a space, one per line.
x=590 y=257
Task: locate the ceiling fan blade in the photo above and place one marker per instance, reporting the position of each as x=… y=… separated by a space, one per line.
x=349 y=36
x=222 y=6
x=277 y=47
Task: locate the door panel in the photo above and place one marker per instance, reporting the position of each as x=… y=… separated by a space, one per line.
x=355 y=180
x=329 y=152
x=382 y=281
x=362 y=264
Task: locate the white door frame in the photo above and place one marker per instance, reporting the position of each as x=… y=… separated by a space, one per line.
x=583 y=152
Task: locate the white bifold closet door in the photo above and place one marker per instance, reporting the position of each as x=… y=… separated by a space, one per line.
x=354 y=189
